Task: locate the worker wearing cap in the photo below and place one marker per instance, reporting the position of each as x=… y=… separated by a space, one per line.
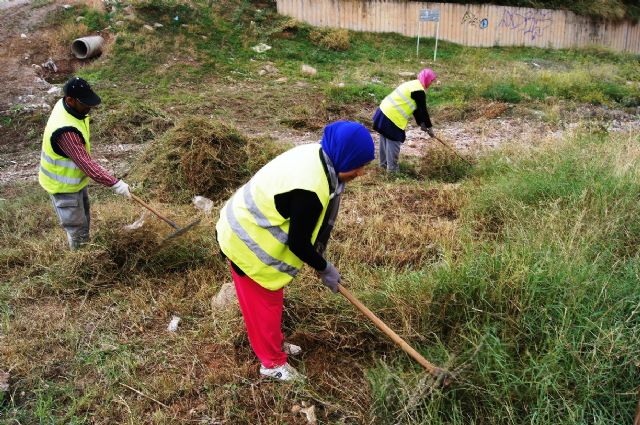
x=392 y=117
x=282 y=219
x=66 y=164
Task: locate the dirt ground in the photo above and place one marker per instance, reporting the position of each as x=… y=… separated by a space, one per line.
x=22 y=53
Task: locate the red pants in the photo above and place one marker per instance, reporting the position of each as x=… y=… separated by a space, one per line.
x=262 y=312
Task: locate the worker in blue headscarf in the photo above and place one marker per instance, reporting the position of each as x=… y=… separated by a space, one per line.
x=282 y=219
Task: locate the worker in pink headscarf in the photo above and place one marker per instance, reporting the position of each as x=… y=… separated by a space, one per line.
x=392 y=117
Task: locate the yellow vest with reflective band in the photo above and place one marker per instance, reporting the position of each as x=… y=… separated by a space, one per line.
x=251 y=231
x=398 y=105
x=59 y=174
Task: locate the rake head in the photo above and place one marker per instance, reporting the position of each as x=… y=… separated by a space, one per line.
x=181 y=231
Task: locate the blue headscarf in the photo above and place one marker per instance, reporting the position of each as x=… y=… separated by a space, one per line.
x=348 y=144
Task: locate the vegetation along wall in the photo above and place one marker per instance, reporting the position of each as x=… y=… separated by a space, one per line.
x=470 y=25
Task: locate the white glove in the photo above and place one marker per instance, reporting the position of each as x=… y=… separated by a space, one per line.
x=121 y=188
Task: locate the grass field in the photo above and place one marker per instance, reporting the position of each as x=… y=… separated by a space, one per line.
x=518 y=273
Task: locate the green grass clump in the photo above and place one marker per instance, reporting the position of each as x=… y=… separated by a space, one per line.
x=370 y=93
x=542 y=302
x=502 y=92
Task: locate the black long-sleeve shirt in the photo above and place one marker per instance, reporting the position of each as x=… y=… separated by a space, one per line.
x=303 y=209
x=421 y=114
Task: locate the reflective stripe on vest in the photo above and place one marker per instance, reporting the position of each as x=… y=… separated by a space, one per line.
x=63 y=179
x=58 y=162
x=255 y=248
x=398 y=105
x=253 y=234
x=57 y=173
x=262 y=221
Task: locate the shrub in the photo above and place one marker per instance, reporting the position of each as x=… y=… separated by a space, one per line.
x=334 y=39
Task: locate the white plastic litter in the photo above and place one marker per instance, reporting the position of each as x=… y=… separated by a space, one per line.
x=291 y=349
x=50 y=64
x=173 y=325
x=4 y=381
x=261 y=48
x=203 y=204
x=308 y=411
x=138 y=223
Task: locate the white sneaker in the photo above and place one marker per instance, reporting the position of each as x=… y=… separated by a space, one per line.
x=291 y=349
x=286 y=373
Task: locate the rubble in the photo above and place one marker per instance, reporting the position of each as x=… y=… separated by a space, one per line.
x=225 y=298
x=50 y=65
x=261 y=48
x=308 y=70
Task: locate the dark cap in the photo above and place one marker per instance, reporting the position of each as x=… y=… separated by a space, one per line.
x=79 y=89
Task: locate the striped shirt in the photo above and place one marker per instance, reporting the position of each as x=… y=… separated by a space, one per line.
x=73 y=147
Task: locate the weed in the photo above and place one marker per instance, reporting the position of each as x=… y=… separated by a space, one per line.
x=502 y=92
x=334 y=39
x=369 y=93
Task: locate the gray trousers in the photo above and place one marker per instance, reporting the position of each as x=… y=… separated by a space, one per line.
x=73 y=212
x=389 y=154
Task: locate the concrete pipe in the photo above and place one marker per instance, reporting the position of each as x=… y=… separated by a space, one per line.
x=87 y=47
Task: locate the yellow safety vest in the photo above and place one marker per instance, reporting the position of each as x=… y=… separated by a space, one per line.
x=251 y=231
x=398 y=105
x=58 y=174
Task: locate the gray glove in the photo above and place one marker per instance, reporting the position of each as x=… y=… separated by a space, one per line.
x=330 y=277
x=428 y=130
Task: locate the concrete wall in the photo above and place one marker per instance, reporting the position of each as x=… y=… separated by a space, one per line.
x=470 y=25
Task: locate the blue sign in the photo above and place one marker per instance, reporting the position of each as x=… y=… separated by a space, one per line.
x=432 y=15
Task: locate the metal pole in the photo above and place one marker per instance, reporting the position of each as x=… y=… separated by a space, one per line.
x=418 y=44
x=435 y=51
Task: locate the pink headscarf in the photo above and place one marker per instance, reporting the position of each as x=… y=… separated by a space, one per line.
x=426 y=77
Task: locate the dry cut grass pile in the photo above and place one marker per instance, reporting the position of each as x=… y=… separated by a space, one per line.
x=201 y=157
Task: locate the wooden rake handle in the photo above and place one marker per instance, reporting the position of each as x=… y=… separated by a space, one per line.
x=147 y=206
x=432 y=369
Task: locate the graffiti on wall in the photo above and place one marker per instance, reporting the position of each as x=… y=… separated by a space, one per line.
x=531 y=23
x=472 y=20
